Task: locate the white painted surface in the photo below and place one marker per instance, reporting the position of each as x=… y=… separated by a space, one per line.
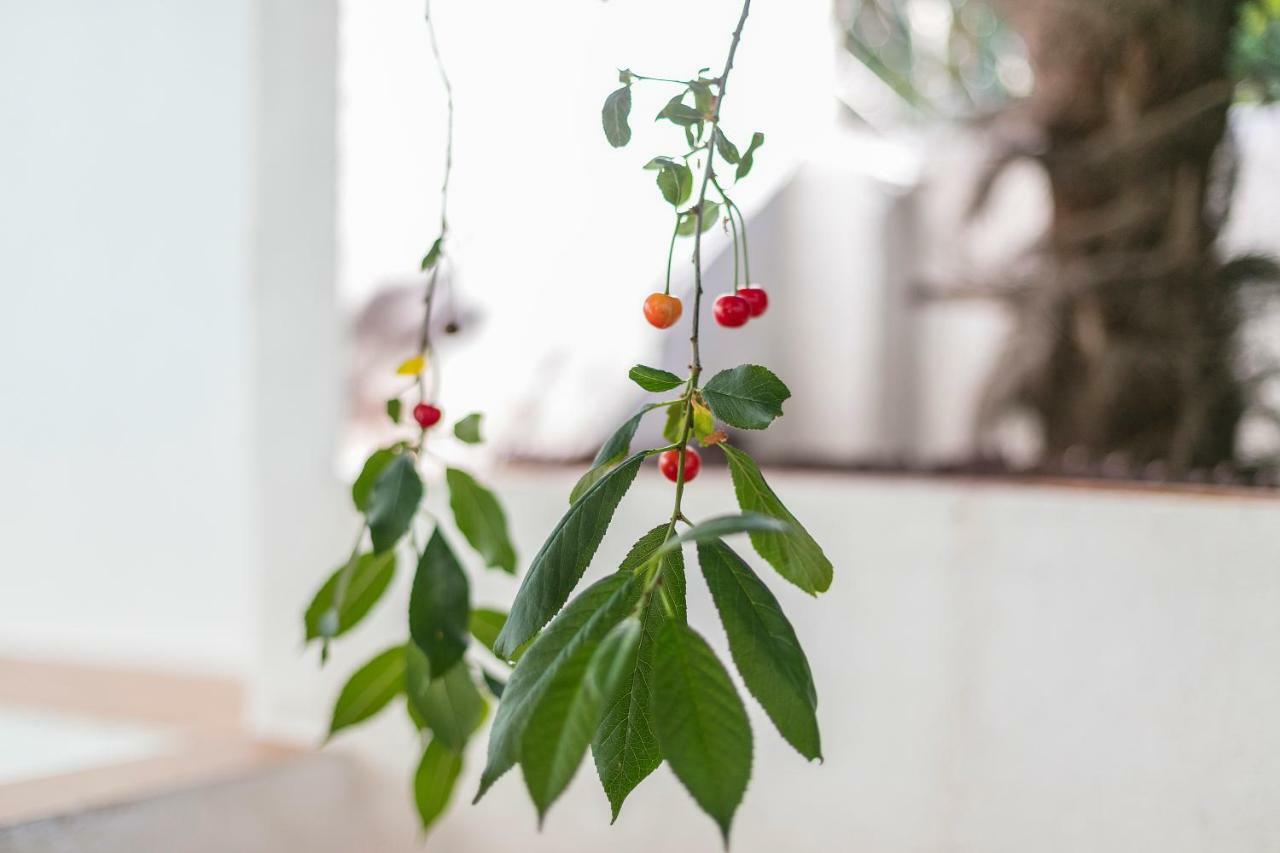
x=39 y=742
x=999 y=669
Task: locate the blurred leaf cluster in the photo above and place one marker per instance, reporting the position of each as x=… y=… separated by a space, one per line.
x=1255 y=60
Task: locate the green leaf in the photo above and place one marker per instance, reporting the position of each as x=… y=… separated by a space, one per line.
x=393 y=502
x=677 y=112
x=653 y=379
x=617 y=107
x=700 y=721
x=688 y=221
x=727 y=149
x=450 y=706
x=625 y=746
x=725 y=525
x=613 y=452
x=675 y=180
x=764 y=647
x=795 y=555
x=583 y=624
x=496 y=685
x=675 y=423
x=560 y=728
x=369 y=689
x=432 y=257
x=703 y=422
x=748 y=396
x=394 y=408
x=485 y=625
x=703 y=97
x=369 y=579
x=748 y=156
x=468 y=428
x=480 y=518
x=362 y=488
x=558 y=567
x=434 y=781
x=439 y=606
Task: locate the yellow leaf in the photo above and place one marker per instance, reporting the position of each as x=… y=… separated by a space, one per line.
x=411 y=366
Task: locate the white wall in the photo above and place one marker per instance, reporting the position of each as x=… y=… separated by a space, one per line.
x=124 y=259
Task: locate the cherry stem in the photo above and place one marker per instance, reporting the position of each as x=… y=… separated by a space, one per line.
x=424 y=339
x=675 y=230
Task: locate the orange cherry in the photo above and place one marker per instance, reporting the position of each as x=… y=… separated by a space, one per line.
x=662 y=310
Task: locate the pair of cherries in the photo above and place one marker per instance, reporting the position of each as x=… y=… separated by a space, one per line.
x=730 y=310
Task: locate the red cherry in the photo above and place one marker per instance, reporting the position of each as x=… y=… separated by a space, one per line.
x=669 y=464
x=662 y=310
x=426 y=415
x=732 y=310
x=756 y=298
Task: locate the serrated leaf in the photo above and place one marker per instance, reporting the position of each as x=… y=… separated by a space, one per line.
x=747 y=396
x=748 y=157
x=450 y=706
x=625 y=747
x=611 y=453
x=369 y=689
x=480 y=518
x=393 y=501
x=558 y=567
x=434 y=781
x=727 y=149
x=586 y=620
x=485 y=624
x=468 y=429
x=440 y=605
x=701 y=724
x=675 y=181
x=764 y=647
x=653 y=379
x=394 y=409
x=369 y=578
x=794 y=555
x=617 y=108
x=560 y=727
x=671 y=431
x=362 y=488
x=688 y=221
x=431 y=258
x=677 y=112
x=725 y=525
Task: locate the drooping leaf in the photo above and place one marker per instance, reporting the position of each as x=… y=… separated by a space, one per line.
x=654 y=379
x=688 y=221
x=560 y=728
x=434 y=781
x=439 y=606
x=432 y=257
x=613 y=452
x=675 y=180
x=703 y=97
x=393 y=502
x=625 y=747
x=794 y=555
x=727 y=149
x=369 y=689
x=558 y=567
x=764 y=646
x=703 y=422
x=678 y=112
x=747 y=396
x=369 y=578
x=450 y=705
x=617 y=108
x=674 y=426
x=480 y=518
x=725 y=525
x=394 y=408
x=468 y=428
x=485 y=625
x=583 y=624
x=748 y=157
x=362 y=488
x=701 y=724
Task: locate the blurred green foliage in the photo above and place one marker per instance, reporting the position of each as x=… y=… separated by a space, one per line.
x=1255 y=60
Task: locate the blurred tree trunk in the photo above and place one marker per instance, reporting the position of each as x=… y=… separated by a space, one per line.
x=1125 y=334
